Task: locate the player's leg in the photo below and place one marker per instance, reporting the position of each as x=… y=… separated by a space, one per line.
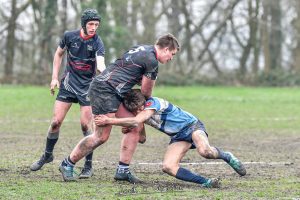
x=201 y=142
x=86 y=127
x=59 y=112
x=173 y=156
x=128 y=146
x=84 y=147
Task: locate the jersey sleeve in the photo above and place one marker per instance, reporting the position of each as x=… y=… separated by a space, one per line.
x=152 y=104
x=151 y=68
x=63 y=41
x=100 y=50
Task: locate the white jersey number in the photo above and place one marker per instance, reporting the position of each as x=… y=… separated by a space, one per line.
x=140 y=48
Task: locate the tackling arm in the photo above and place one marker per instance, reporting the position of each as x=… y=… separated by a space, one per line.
x=101 y=120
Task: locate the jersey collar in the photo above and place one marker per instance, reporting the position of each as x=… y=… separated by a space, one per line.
x=85 y=38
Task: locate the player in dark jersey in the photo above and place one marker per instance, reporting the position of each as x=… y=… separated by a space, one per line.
x=185 y=130
x=85 y=54
x=139 y=65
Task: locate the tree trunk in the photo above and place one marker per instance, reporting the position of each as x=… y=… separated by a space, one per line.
x=296 y=50
x=275 y=35
x=10 y=41
x=46 y=56
x=265 y=37
x=10 y=44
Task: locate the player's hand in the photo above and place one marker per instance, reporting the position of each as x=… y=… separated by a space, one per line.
x=54 y=83
x=101 y=120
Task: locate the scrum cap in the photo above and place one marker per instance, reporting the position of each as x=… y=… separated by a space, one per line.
x=89 y=15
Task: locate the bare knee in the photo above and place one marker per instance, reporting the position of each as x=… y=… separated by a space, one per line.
x=100 y=140
x=169 y=169
x=84 y=127
x=206 y=152
x=55 y=125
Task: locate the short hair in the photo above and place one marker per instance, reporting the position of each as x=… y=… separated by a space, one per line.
x=168 y=40
x=133 y=100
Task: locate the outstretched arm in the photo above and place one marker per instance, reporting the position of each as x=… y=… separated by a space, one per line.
x=101 y=120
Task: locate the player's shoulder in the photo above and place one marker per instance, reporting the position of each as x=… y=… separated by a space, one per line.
x=71 y=33
x=97 y=39
x=150 y=57
x=155 y=101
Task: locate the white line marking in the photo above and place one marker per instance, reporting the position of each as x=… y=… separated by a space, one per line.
x=203 y=163
x=221 y=163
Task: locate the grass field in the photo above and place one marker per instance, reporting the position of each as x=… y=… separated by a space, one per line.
x=261 y=126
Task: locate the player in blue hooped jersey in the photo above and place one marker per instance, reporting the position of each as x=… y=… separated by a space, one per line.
x=85 y=55
x=186 y=131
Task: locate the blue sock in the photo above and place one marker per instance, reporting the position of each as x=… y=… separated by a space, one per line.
x=223 y=155
x=186 y=175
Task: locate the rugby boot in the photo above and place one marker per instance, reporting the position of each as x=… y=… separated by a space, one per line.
x=237 y=165
x=126 y=176
x=67 y=172
x=39 y=164
x=212 y=183
x=87 y=172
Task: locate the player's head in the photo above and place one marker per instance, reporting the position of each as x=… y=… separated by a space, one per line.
x=134 y=100
x=167 y=46
x=87 y=16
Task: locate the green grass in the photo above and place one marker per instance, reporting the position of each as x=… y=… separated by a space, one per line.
x=258 y=124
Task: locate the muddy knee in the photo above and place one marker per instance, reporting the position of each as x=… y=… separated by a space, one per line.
x=206 y=153
x=84 y=127
x=55 y=126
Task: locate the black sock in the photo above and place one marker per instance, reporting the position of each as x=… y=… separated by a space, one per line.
x=50 y=146
x=88 y=160
x=123 y=167
x=124 y=164
x=70 y=161
x=223 y=155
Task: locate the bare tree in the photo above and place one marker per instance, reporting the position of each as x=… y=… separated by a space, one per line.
x=296 y=50
x=10 y=40
x=276 y=35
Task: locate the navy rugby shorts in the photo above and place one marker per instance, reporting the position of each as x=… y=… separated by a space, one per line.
x=186 y=133
x=103 y=98
x=70 y=97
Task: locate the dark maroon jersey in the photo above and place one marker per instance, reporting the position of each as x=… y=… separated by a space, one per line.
x=128 y=70
x=81 y=60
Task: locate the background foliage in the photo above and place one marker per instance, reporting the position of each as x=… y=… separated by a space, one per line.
x=232 y=42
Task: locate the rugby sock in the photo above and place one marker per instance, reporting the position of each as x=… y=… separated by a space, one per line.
x=51 y=141
x=223 y=155
x=89 y=157
x=186 y=175
x=68 y=161
x=123 y=167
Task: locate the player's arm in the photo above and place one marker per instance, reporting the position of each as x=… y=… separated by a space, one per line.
x=101 y=120
x=142 y=139
x=100 y=64
x=58 y=57
x=147 y=86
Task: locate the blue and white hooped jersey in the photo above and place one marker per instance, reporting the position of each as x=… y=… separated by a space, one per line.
x=168 y=118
